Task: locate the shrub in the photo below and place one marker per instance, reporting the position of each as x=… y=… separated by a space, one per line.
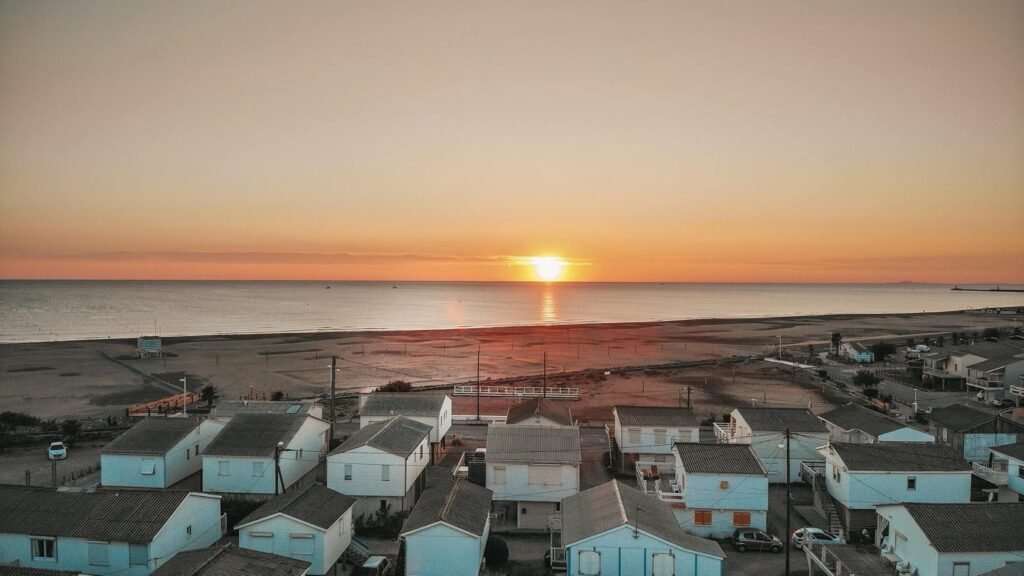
x=395 y=386
x=496 y=552
x=277 y=396
x=865 y=378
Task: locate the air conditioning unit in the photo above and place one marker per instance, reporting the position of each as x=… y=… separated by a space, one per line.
x=903 y=567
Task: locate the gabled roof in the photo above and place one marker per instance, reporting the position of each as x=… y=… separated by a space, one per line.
x=316 y=505
x=554 y=410
x=133 y=516
x=994 y=363
x=1015 y=451
x=456 y=502
x=533 y=444
x=900 y=457
x=19 y=571
x=230 y=561
x=974 y=527
x=700 y=458
x=155 y=435
x=1011 y=569
x=855 y=417
x=960 y=417
x=858 y=347
x=232 y=408
x=402 y=404
x=252 y=434
x=399 y=436
x=667 y=416
x=779 y=419
x=614 y=504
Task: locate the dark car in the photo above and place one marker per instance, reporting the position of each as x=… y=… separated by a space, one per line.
x=375 y=566
x=758 y=540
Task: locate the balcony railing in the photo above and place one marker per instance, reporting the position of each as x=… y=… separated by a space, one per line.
x=723 y=433
x=518 y=391
x=994 y=474
x=673 y=496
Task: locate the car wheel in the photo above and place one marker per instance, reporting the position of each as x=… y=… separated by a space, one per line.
x=776 y=549
x=741 y=548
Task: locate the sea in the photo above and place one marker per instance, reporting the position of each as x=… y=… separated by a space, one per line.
x=39 y=311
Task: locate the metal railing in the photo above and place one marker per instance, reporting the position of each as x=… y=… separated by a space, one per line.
x=993 y=475
x=559 y=393
x=723 y=433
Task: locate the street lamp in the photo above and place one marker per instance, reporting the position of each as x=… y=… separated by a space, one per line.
x=184 y=395
x=277 y=467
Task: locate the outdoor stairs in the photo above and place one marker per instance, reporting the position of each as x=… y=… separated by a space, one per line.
x=835 y=526
x=613 y=448
x=358 y=552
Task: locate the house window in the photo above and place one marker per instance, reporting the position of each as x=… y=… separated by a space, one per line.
x=1020 y=471
x=663 y=565
x=741 y=519
x=702 y=517
x=44 y=549
x=148 y=466
x=348 y=471
x=544 y=475
x=138 y=555
x=197 y=449
x=302 y=544
x=188 y=530
x=385 y=473
x=499 y=474
x=257 y=468
x=659 y=436
x=633 y=435
x=188 y=453
x=837 y=475
x=590 y=563
x=99 y=553
x=911 y=482
x=223 y=467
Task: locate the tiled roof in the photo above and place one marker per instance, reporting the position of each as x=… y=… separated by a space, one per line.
x=133 y=516
x=779 y=419
x=1015 y=451
x=155 y=435
x=457 y=502
x=232 y=408
x=399 y=436
x=555 y=410
x=316 y=505
x=994 y=363
x=230 y=561
x=18 y=571
x=719 y=458
x=402 y=404
x=668 y=416
x=900 y=457
x=854 y=417
x=614 y=504
x=1011 y=569
x=959 y=417
x=975 y=527
x=252 y=434
x=533 y=444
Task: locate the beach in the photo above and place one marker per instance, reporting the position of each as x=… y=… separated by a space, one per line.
x=96 y=378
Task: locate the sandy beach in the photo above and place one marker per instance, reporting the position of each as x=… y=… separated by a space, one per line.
x=82 y=379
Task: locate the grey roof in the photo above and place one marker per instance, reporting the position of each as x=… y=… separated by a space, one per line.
x=994 y=363
x=900 y=457
x=18 y=571
x=316 y=505
x=1015 y=451
x=402 y=404
x=399 y=436
x=1011 y=569
x=960 y=417
x=975 y=527
x=457 y=502
x=232 y=408
x=700 y=458
x=133 y=516
x=533 y=444
x=252 y=434
x=155 y=435
x=855 y=417
x=230 y=561
x=858 y=347
x=779 y=419
x=614 y=504
x=555 y=410
x=657 y=416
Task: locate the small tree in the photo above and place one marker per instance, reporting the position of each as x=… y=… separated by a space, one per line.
x=882 y=350
x=865 y=378
x=940 y=341
x=209 y=393
x=71 y=429
x=837 y=341
x=277 y=396
x=990 y=333
x=496 y=552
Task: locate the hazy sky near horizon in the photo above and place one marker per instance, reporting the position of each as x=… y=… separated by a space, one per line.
x=753 y=140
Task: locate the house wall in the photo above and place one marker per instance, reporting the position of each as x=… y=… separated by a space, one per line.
x=1015 y=475
x=240 y=477
x=860 y=490
x=741 y=493
x=976 y=445
x=958 y=364
x=906 y=435
x=311 y=440
x=366 y=464
x=126 y=470
x=624 y=555
x=1015 y=375
x=439 y=423
x=72 y=555
x=195 y=524
x=517 y=486
x=535 y=515
x=537 y=420
x=644 y=441
x=802 y=448
x=440 y=550
x=279 y=532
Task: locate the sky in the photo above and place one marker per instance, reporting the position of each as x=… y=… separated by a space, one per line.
x=704 y=141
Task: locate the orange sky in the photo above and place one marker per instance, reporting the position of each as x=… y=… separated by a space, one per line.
x=683 y=141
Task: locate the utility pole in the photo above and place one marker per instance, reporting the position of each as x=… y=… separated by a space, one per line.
x=334 y=370
x=545 y=381
x=53 y=472
x=687 y=397
x=278 y=477
x=184 y=395
x=789 y=502
x=478 y=381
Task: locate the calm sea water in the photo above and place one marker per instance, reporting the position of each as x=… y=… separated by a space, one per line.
x=55 y=310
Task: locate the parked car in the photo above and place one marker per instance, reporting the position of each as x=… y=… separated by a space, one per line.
x=758 y=540
x=375 y=566
x=814 y=536
x=57 y=451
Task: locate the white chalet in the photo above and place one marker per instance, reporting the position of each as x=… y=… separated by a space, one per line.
x=540 y=412
x=434 y=410
x=859 y=425
x=157 y=452
x=721 y=487
x=644 y=435
x=765 y=430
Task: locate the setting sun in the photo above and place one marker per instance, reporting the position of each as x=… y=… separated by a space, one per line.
x=548 y=268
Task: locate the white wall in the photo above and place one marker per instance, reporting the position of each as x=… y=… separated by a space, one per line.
x=440 y=550
x=517 y=484
x=367 y=463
